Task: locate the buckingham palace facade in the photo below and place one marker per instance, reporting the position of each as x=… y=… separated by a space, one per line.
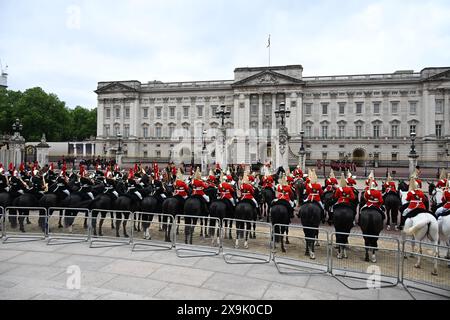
x=355 y=117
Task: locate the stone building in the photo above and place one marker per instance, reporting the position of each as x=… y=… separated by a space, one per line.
x=356 y=117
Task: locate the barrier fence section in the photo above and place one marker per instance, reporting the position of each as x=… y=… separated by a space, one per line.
x=67 y=225
x=188 y=240
x=250 y=232
x=424 y=277
x=298 y=259
x=29 y=221
x=116 y=231
x=379 y=270
x=2 y=220
x=153 y=231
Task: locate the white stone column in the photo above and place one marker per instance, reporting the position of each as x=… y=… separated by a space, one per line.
x=74 y=149
x=84 y=149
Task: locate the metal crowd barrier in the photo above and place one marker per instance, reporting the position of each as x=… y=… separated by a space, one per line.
x=384 y=273
x=12 y=221
x=200 y=246
x=255 y=253
x=2 y=220
x=295 y=260
x=69 y=228
x=114 y=236
x=153 y=238
x=422 y=278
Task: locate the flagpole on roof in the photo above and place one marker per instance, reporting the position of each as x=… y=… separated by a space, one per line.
x=268 y=46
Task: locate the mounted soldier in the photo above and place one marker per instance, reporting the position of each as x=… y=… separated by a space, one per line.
x=344 y=194
x=85 y=190
x=285 y=195
x=373 y=198
x=247 y=191
x=198 y=189
x=370 y=180
x=416 y=199
x=442 y=183
x=314 y=190
x=445 y=209
x=331 y=184
x=389 y=185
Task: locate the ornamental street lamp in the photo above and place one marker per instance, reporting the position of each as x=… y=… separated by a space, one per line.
x=282 y=113
x=302 y=151
x=119 y=150
x=17 y=142
x=204 y=152
x=223 y=114
x=412 y=155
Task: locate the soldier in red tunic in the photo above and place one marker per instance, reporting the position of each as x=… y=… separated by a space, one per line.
x=370 y=180
x=285 y=195
x=331 y=183
x=298 y=173
x=445 y=209
x=442 y=183
x=416 y=199
x=227 y=192
x=211 y=180
x=389 y=185
x=351 y=182
x=313 y=189
x=374 y=198
x=247 y=191
x=268 y=182
x=181 y=188
x=344 y=193
x=198 y=187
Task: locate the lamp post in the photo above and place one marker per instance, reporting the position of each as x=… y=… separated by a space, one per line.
x=447 y=154
x=223 y=114
x=119 y=150
x=283 y=156
x=204 y=152
x=302 y=151
x=412 y=154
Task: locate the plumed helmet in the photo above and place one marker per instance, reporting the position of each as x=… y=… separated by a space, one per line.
x=283 y=180
x=179 y=174
x=413 y=184
x=371 y=175
x=389 y=177
x=198 y=174
x=332 y=174
x=349 y=174
x=372 y=184
x=343 y=182
x=245 y=178
x=443 y=174
x=313 y=177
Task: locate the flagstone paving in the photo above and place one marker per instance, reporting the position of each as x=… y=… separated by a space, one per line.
x=32 y=271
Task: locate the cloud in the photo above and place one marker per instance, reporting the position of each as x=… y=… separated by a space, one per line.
x=66 y=47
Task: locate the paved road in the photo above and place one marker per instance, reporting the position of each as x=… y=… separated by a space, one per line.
x=34 y=270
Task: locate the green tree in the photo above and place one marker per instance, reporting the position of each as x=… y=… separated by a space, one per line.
x=8 y=99
x=83 y=123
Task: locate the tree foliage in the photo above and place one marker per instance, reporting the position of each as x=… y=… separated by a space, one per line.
x=41 y=112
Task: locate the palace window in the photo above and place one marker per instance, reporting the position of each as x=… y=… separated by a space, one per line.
x=324 y=155
x=359 y=107
x=324 y=109
x=439 y=106
x=145 y=132
x=145 y=154
x=341 y=108
x=116 y=130
x=106 y=128
x=308 y=107
x=341 y=131
x=158 y=132
x=200 y=111
x=172 y=112
x=127 y=113
x=158 y=112
x=376 y=108
x=171 y=131
x=412 y=107
x=186 y=112
x=126 y=131
x=308 y=130
x=358 y=131
x=308 y=156
x=145 y=113
x=325 y=132
x=158 y=153
x=213 y=111
x=376 y=131
x=108 y=113
x=394 y=130
x=117 y=110
x=254 y=109
x=412 y=128
x=394 y=107
x=394 y=156
x=439 y=130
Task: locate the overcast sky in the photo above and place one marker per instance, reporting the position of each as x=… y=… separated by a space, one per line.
x=66 y=47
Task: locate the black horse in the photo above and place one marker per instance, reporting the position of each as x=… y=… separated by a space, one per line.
x=192 y=207
x=26 y=200
x=371 y=223
x=267 y=196
x=328 y=201
x=280 y=215
x=300 y=191
x=310 y=215
x=171 y=206
x=245 y=210
x=221 y=209
x=392 y=204
x=344 y=215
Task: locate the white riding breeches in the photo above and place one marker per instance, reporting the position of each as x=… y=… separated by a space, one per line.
x=440 y=211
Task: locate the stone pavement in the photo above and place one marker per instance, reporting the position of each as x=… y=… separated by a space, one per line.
x=35 y=270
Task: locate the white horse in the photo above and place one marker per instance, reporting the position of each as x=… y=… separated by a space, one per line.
x=421 y=227
x=444 y=233
x=436 y=196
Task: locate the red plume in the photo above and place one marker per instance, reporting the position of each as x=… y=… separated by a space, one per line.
x=51 y=167
x=135 y=168
x=10 y=167
x=82 y=171
x=22 y=167
x=116 y=167
x=130 y=174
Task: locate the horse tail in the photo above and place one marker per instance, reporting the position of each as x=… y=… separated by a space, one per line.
x=416 y=227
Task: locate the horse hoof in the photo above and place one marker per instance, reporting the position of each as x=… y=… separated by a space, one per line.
x=287 y=242
x=117 y=235
x=388 y=228
x=22 y=229
x=312 y=256
x=60 y=226
x=245 y=246
x=434 y=273
x=283 y=250
x=374 y=260
x=417 y=266
x=28 y=222
x=367 y=259
x=126 y=235
x=339 y=256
